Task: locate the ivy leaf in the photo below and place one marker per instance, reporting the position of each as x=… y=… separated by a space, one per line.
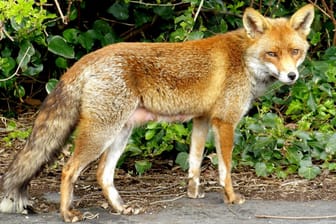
x=26 y=51
x=7 y=65
x=142 y=166
x=213 y=158
x=102 y=27
x=164 y=12
x=182 y=160
x=34 y=70
x=19 y=92
x=51 y=84
x=195 y=35
x=119 y=10
x=61 y=62
x=331 y=145
x=261 y=169
x=71 y=35
x=309 y=172
x=86 y=41
x=59 y=46
x=294 y=155
x=311 y=102
x=150 y=134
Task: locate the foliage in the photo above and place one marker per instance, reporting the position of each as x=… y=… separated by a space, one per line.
x=156 y=139
x=306 y=143
x=14 y=133
x=290 y=130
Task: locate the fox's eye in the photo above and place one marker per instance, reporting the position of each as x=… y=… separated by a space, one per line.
x=271 y=54
x=295 y=51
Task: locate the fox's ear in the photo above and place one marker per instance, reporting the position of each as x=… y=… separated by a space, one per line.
x=254 y=22
x=302 y=19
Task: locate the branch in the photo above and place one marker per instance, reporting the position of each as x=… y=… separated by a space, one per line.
x=17 y=69
x=328 y=12
x=153 y=4
x=3 y=31
x=64 y=18
x=198 y=10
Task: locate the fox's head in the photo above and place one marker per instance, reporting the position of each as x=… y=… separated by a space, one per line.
x=279 y=45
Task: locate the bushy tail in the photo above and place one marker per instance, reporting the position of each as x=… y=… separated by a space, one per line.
x=56 y=120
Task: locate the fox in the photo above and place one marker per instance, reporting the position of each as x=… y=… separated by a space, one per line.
x=211 y=81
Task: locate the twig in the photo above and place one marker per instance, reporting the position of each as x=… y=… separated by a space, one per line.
x=153 y=4
x=198 y=10
x=17 y=69
x=295 y=217
x=195 y=17
x=3 y=31
x=64 y=19
x=167 y=200
x=90 y=215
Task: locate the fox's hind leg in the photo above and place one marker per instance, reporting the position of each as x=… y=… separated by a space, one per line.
x=198 y=138
x=224 y=135
x=92 y=140
x=106 y=169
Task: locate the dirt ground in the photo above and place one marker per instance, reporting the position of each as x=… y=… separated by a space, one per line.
x=162 y=185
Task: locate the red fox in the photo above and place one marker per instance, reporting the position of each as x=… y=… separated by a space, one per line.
x=105 y=94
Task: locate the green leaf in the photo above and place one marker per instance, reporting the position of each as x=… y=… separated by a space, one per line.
x=141 y=18
x=61 y=62
x=102 y=27
x=51 y=84
x=153 y=125
x=86 y=41
x=19 y=92
x=315 y=38
x=309 y=172
x=119 y=10
x=73 y=14
x=142 y=166
x=150 y=134
x=34 y=70
x=182 y=160
x=11 y=125
x=7 y=65
x=213 y=158
x=302 y=135
x=178 y=35
x=164 y=12
x=294 y=155
x=26 y=51
x=261 y=169
x=59 y=46
x=195 y=35
x=109 y=38
x=255 y=127
x=311 y=102
x=331 y=145
x=71 y=35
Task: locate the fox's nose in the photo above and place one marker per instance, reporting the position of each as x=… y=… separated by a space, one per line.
x=291 y=75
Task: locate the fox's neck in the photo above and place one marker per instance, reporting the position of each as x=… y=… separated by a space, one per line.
x=260 y=83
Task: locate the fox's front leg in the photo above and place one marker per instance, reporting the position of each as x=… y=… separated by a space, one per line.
x=198 y=138
x=224 y=135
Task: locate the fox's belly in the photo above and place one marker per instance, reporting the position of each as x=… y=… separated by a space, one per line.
x=142 y=115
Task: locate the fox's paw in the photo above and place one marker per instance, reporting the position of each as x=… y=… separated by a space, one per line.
x=234 y=199
x=195 y=190
x=72 y=216
x=130 y=210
